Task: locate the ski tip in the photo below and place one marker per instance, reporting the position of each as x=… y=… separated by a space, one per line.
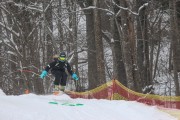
x=53 y=103
x=79 y=104
x=67 y=104
x=72 y=104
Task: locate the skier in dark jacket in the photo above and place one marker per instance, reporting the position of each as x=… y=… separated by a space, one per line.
x=58 y=69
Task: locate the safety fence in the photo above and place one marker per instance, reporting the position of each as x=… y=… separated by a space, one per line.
x=114 y=90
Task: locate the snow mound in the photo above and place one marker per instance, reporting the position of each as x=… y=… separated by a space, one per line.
x=2 y=93
x=39 y=107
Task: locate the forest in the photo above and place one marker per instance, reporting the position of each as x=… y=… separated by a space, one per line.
x=136 y=42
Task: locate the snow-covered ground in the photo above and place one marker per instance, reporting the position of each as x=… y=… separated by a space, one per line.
x=35 y=107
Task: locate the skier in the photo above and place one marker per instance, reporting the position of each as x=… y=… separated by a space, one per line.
x=58 y=67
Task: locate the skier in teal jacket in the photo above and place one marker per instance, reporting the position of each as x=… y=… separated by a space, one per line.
x=58 y=69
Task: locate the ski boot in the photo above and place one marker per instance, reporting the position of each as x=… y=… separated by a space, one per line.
x=56 y=90
x=62 y=88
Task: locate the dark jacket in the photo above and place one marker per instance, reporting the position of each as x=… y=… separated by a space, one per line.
x=57 y=65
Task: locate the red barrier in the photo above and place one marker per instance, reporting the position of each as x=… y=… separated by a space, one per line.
x=114 y=90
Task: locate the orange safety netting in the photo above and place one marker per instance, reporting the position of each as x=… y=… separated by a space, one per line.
x=114 y=90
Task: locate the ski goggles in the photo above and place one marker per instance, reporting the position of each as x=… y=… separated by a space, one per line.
x=62 y=58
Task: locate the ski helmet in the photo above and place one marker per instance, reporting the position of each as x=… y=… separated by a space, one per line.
x=62 y=54
x=62 y=57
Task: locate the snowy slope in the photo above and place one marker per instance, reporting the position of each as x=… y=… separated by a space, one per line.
x=34 y=107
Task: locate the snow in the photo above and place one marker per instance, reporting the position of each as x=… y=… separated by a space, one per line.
x=2 y=93
x=37 y=107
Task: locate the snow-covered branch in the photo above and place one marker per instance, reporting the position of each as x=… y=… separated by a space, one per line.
x=48 y=6
x=111 y=12
x=29 y=7
x=140 y=8
x=129 y=10
x=62 y=22
x=3 y=8
x=9 y=29
x=35 y=8
x=92 y=7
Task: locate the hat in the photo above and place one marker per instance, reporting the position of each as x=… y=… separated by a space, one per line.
x=62 y=54
x=62 y=57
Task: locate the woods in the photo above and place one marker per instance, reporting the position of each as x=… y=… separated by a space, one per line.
x=135 y=42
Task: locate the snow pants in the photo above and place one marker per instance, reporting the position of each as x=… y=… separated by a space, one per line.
x=60 y=78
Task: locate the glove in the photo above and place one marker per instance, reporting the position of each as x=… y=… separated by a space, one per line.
x=74 y=76
x=43 y=74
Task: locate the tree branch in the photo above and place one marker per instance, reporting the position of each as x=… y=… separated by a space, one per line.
x=9 y=29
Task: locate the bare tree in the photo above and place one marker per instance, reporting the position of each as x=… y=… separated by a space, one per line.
x=60 y=27
x=127 y=45
x=175 y=42
x=99 y=45
x=118 y=63
x=143 y=46
x=91 y=48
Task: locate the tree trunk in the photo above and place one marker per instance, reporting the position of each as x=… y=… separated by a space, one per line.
x=143 y=47
x=99 y=46
x=1 y=52
x=127 y=46
x=48 y=25
x=60 y=28
x=119 y=72
x=75 y=44
x=175 y=41
x=90 y=35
